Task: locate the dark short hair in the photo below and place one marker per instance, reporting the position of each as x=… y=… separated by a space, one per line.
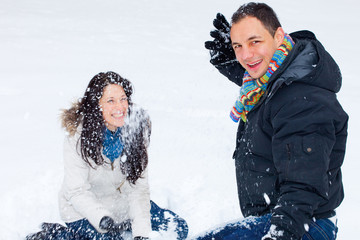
x=262 y=12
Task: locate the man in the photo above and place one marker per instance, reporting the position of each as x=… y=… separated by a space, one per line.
x=292 y=130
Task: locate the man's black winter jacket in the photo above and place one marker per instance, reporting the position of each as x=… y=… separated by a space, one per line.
x=289 y=152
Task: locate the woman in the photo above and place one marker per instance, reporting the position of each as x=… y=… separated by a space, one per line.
x=105 y=192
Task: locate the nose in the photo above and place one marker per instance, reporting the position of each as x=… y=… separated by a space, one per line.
x=244 y=54
x=119 y=105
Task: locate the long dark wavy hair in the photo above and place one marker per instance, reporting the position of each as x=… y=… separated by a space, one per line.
x=87 y=111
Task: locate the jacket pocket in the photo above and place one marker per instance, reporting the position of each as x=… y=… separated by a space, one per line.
x=309 y=144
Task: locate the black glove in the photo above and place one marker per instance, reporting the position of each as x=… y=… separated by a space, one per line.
x=107 y=223
x=221 y=52
x=141 y=238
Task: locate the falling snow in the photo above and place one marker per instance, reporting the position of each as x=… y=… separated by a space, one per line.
x=51 y=49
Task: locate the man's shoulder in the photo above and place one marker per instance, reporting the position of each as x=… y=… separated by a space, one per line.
x=303 y=34
x=322 y=69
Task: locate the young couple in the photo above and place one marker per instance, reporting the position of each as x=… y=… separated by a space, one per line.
x=290 y=143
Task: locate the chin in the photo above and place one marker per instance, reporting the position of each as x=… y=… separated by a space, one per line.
x=256 y=75
x=121 y=124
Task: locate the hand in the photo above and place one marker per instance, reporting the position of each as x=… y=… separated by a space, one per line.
x=276 y=233
x=141 y=238
x=107 y=223
x=221 y=51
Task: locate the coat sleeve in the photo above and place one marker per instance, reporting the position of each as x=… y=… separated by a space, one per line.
x=77 y=189
x=140 y=206
x=304 y=135
x=233 y=71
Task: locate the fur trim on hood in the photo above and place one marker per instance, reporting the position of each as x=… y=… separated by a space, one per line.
x=70 y=118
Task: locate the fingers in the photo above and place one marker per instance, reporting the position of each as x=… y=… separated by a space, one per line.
x=218 y=58
x=220 y=36
x=221 y=23
x=209 y=45
x=216 y=34
x=214 y=45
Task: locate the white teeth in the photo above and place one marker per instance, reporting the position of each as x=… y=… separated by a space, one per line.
x=118 y=114
x=254 y=63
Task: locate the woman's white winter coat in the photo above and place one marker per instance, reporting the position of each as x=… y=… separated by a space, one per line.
x=93 y=193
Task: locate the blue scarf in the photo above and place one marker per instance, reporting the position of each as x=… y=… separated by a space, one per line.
x=112 y=144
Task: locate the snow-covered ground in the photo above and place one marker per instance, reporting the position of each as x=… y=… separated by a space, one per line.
x=50 y=49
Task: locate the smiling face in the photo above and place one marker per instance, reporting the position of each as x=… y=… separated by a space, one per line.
x=254 y=46
x=114 y=105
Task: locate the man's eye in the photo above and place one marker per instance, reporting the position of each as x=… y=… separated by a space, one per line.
x=123 y=99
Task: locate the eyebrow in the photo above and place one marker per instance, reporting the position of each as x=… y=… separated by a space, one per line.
x=249 y=39
x=253 y=37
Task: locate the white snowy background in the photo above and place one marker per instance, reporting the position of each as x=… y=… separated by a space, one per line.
x=50 y=49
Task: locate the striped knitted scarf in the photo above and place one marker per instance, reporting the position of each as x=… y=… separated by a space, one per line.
x=252 y=89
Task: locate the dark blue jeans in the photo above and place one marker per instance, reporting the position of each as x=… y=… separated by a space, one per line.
x=321 y=229
x=83 y=230
x=254 y=228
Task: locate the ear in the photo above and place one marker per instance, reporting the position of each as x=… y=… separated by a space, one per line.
x=279 y=36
